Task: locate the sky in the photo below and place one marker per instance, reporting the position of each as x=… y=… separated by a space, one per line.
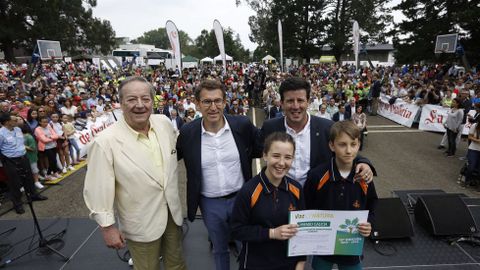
x=133 y=18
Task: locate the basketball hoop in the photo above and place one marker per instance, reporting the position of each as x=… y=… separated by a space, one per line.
x=446 y=43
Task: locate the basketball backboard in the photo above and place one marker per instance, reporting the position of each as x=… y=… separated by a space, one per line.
x=446 y=43
x=49 y=49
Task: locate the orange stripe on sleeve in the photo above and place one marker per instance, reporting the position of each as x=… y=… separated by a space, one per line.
x=295 y=191
x=364 y=186
x=324 y=180
x=256 y=195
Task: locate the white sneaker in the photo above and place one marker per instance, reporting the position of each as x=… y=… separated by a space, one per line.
x=64 y=170
x=39 y=185
x=71 y=168
x=51 y=177
x=22 y=189
x=41 y=177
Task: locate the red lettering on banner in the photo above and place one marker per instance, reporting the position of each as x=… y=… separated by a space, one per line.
x=398 y=110
x=85 y=138
x=434 y=118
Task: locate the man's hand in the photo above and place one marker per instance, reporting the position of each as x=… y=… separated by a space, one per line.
x=365 y=229
x=113 y=237
x=363 y=171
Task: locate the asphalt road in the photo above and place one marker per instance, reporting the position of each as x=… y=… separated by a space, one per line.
x=404 y=159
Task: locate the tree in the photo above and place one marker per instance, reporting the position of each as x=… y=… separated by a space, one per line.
x=310 y=24
x=206 y=45
x=415 y=36
x=159 y=38
x=372 y=16
x=302 y=24
x=71 y=22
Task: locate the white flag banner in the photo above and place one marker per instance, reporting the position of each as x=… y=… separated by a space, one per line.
x=96 y=61
x=280 y=40
x=172 y=33
x=401 y=112
x=217 y=28
x=87 y=135
x=356 y=41
x=433 y=117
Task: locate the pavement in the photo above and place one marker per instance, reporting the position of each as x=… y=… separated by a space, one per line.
x=404 y=159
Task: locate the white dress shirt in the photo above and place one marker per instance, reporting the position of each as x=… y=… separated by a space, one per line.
x=301 y=162
x=174 y=124
x=221 y=168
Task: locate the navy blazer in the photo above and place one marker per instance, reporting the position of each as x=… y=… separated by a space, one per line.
x=189 y=143
x=274 y=111
x=179 y=122
x=320 y=153
x=336 y=116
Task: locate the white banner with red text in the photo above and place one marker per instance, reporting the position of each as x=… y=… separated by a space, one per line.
x=401 y=112
x=434 y=116
x=102 y=122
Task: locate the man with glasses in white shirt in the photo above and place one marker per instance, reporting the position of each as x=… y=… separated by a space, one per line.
x=217 y=150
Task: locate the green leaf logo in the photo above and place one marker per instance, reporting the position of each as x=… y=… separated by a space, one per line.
x=350 y=226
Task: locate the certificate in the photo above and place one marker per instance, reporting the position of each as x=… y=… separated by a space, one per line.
x=326 y=232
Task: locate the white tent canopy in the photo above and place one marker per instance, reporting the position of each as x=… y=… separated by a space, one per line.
x=268 y=58
x=219 y=58
x=206 y=60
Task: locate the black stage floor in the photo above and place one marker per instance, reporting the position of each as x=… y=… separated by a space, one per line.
x=84 y=245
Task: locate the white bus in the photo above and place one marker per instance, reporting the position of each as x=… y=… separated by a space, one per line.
x=152 y=56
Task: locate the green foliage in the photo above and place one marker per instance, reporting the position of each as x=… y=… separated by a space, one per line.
x=415 y=37
x=71 y=22
x=310 y=24
x=204 y=45
x=372 y=16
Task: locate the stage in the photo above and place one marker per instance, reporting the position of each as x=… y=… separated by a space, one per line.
x=86 y=250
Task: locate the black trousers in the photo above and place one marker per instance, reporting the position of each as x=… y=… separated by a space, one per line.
x=19 y=174
x=52 y=160
x=452 y=145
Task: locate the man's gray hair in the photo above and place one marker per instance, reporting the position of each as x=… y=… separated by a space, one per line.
x=135 y=79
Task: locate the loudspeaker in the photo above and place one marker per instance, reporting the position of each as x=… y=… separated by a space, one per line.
x=391 y=220
x=443 y=215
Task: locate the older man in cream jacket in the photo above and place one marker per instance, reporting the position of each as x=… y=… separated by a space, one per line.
x=132 y=177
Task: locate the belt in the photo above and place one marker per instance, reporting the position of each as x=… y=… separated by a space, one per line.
x=228 y=196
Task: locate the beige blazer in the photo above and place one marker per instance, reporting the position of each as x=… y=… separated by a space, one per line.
x=120 y=177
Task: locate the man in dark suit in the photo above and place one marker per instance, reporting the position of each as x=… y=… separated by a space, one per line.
x=275 y=110
x=177 y=121
x=350 y=108
x=216 y=169
x=341 y=115
x=310 y=133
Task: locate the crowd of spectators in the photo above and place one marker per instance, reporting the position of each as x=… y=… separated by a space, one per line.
x=52 y=101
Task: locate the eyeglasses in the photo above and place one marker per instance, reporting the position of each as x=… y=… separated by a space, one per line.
x=208 y=102
x=41 y=111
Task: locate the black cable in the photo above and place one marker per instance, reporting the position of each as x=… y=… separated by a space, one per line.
x=377 y=246
x=31 y=237
x=125 y=257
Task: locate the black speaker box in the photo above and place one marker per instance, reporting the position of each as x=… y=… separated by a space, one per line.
x=444 y=215
x=391 y=220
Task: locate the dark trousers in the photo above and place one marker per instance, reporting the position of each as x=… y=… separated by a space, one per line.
x=19 y=174
x=52 y=160
x=361 y=139
x=452 y=146
x=473 y=157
